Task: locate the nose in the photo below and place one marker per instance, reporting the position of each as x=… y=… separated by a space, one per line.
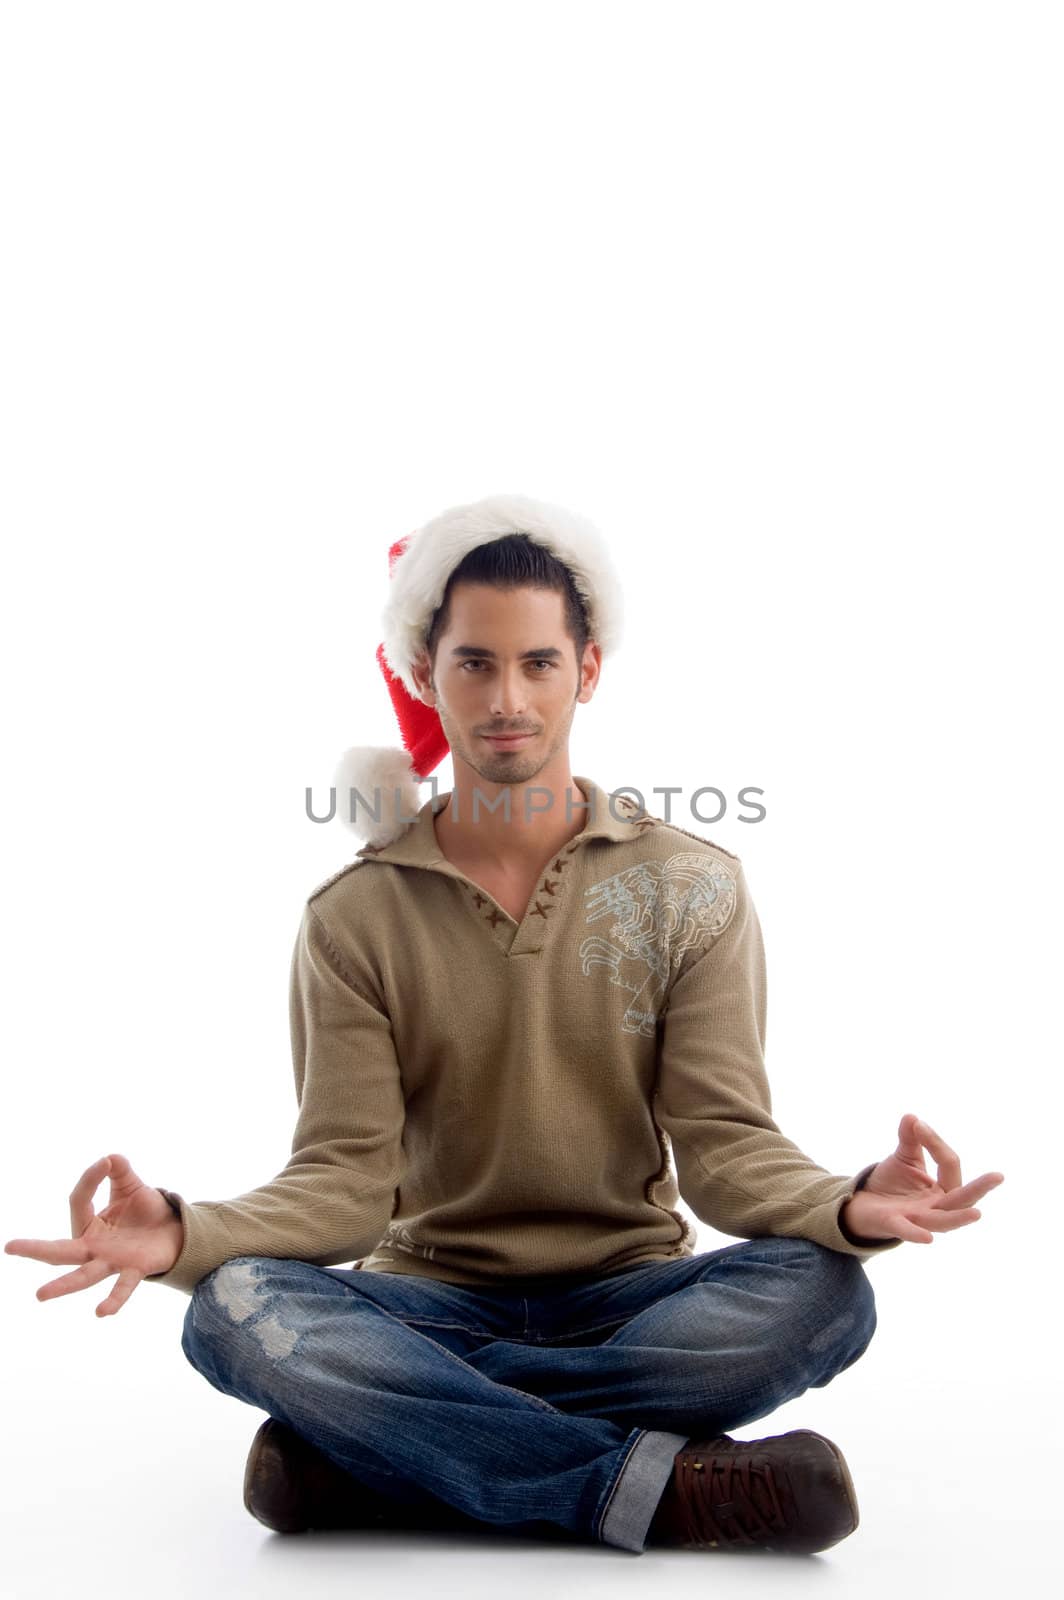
x=508 y=694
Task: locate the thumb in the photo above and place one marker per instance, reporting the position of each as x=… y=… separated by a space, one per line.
x=120 y=1171
x=910 y=1147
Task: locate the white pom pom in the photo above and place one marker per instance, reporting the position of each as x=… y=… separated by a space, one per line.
x=387 y=785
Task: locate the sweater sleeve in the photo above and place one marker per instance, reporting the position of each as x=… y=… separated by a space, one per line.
x=333 y=1200
x=734 y=1167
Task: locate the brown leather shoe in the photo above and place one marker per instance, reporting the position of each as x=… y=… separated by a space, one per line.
x=790 y=1492
x=291 y=1486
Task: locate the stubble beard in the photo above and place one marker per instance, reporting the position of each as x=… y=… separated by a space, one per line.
x=520 y=767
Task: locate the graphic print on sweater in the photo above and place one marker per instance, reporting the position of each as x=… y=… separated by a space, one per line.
x=661 y=910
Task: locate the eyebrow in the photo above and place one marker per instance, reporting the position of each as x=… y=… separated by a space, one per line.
x=526 y=655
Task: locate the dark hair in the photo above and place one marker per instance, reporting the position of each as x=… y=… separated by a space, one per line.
x=512 y=562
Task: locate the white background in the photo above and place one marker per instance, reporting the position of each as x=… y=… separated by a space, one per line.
x=771 y=293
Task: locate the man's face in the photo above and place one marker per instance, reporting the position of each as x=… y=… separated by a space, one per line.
x=505 y=664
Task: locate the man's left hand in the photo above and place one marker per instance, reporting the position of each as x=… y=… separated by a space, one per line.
x=902 y=1201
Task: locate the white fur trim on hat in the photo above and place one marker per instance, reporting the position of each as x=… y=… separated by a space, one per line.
x=420 y=574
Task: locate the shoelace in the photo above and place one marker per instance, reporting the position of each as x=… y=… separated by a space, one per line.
x=723 y=1489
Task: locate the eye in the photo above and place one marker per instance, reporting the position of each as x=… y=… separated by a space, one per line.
x=542 y=661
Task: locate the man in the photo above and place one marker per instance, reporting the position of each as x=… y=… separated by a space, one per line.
x=505 y=1014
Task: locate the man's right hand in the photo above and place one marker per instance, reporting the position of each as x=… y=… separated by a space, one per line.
x=136 y=1235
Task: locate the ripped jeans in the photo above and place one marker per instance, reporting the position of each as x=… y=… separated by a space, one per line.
x=540 y=1404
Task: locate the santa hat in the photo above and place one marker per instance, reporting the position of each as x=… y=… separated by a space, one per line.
x=387 y=777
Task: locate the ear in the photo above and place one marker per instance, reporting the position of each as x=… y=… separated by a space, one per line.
x=421 y=672
x=589 y=671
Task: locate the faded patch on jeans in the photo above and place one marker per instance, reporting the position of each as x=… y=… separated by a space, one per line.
x=235 y=1287
x=833 y=1332
x=274 y=1337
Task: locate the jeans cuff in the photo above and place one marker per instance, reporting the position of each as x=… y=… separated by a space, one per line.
x=639 y=1488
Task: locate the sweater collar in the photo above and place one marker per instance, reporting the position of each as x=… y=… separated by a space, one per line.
x=417 y=845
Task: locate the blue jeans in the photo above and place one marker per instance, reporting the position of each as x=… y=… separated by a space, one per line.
x=540 y=1404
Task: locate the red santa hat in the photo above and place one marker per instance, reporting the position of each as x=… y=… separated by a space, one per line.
x=387 y=777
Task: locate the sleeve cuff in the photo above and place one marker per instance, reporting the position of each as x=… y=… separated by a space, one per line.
x=206 y=1245
x=856 y=1245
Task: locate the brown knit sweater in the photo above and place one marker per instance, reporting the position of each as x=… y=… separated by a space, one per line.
x=482 y=1099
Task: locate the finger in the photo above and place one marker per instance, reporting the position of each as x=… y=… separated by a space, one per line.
x=910 y=1147
x=969 y=1193
x=57 y=1252
x=81 y=1196
x=128 y=1279
x=83 y=1278
x=910 y=1151
x=122 y=1175
x=946 y=1159
x=945 y=1221
x=902 y=1227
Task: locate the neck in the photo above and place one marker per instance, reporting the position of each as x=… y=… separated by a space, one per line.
x=536 y=822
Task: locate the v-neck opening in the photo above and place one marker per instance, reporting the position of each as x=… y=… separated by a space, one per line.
x=524 y=936
x=419 y=847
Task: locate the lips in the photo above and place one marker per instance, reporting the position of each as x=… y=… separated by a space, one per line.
x=507 y=741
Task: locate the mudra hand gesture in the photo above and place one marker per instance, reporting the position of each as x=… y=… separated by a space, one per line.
x=136 y=1234
x=902 y=1201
